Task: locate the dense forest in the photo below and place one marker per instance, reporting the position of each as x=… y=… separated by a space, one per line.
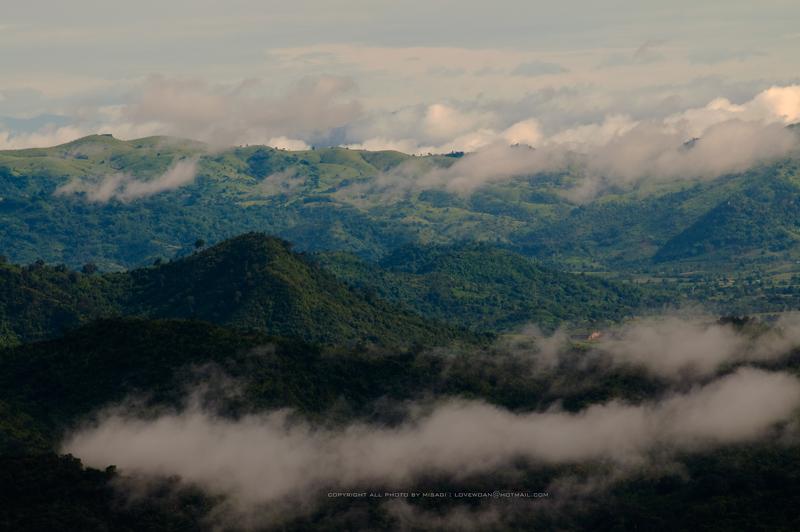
x=327 y=200
x=50 y=387
x=369 y=314
x=257 y=282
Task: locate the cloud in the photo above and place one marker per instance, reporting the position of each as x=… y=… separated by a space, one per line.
x=494 y=163
x=537 y=68
x=713 y=57
x=649 y=51
x=126 y=188
x=271 y=458
x=443 y=122
x=652 y=151
x=241 y=114
x=285 y=182
x=620 y=151
x=446 y=129
x=672 y=347
x=614 y=150
x=285 y=143
x=781 y=102
x=46 y=136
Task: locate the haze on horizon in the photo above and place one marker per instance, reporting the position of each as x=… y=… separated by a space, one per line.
x=416 y=76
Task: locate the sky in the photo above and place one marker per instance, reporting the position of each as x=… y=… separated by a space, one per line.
x=412 y=75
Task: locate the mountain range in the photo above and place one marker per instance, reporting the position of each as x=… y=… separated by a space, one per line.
x=256 y=282
x=264 y=306
x=121 y=204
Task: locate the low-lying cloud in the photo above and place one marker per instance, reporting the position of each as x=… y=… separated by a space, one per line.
x=670 y=347
x=632 y=154
x=284 y=182
x=271 y=458
x=124 y=187
x=702 y=143
x=615 y=148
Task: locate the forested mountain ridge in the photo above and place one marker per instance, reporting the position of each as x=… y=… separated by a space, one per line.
x=763 y=218
x=252 y=281
x=489 y=288
x=59 y=204
x=257 y=282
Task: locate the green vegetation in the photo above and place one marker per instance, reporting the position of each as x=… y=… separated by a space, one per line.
x=251 y=282
x=322 y=200
x=486 y=288
x=55 y=384
x=58 y=382
x=393 y=299
x=50 y=492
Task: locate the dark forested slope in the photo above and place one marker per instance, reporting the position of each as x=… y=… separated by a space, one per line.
x=487 y=288
x=252 y=281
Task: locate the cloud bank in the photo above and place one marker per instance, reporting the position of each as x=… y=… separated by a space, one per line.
x=124 y=187
x=614 y=149
x=267 y=459
x=701 y=143
x=673 y=347
x=721 y=138
x=669 y=347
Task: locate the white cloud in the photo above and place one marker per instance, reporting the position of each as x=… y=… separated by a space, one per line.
x=42 y=138
x=285 y=143
x=684 y=347
x=525 y=132
x=270 y=459
x=782 y=102
x=442 y=122
x=126 y=188
x=619 y=151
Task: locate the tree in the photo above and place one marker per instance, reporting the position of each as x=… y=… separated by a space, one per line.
x=89 y=268
x=199 y=243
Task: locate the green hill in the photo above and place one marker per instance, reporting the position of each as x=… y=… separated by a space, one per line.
x=252 y=281
x=765 y=217
x=257 y=282
x=486 y=288
x=40 y=301
x=322 y=200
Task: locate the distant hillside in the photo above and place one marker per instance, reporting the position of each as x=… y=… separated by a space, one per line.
x=325 y=200
x=763 y=218
x=252 y=281
x=237 y=190
x=486 y=288
x=257 y=282
x=40 y=301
